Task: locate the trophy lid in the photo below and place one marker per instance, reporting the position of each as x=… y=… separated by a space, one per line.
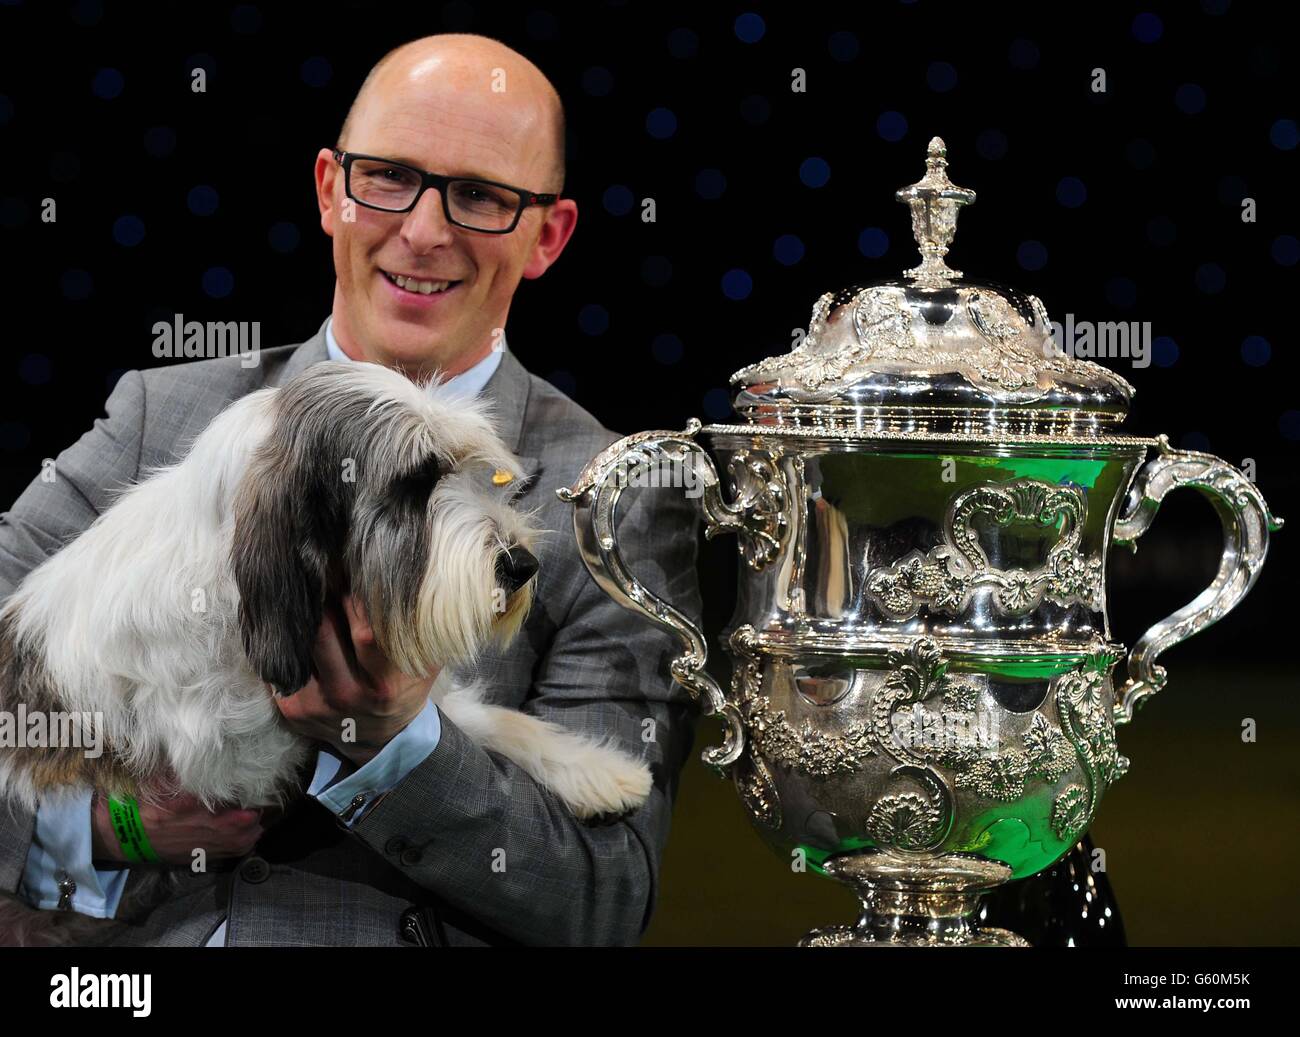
x=932 y=352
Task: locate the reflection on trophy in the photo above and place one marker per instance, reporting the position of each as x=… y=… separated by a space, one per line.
x=924 y=492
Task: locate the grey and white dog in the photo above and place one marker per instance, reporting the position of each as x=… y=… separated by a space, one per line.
x=167 y=618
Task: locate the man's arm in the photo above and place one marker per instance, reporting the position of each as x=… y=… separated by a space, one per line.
x=59 y=505
x=474 y=828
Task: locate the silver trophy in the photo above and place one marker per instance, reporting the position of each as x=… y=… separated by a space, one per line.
x=924 y=492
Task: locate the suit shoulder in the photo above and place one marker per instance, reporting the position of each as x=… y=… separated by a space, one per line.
x=180 y=399
x=554 y=422
x=232 y=375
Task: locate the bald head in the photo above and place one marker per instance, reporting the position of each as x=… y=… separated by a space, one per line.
x=477 y=64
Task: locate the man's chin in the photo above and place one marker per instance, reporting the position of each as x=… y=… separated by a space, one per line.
x=416 y=357
x=413 y=346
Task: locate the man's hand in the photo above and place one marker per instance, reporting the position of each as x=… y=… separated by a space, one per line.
x=355 y=682
x=177 y=827
x=358 y=701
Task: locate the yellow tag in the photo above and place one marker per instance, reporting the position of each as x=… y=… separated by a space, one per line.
x=500 y=477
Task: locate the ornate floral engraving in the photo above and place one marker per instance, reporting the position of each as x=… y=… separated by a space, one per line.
x=814 y=752
x=976 y=759
x=905 y=821
x=944 y=579
x=996 y=318
x=930 y=723
x=1012 y=354
x=980 y=764
x=1044 y=753
x=918 y=675
x=773 y=737
x=1009 y=361
x=883 y=324
x=756 y=788
x=758 y=511
x=1090 y=727
x=1070 y=812
x=1019 y=355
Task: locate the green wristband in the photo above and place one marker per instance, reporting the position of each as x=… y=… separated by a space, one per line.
x=125 y=815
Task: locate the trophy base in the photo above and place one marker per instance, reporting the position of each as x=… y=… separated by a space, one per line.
x=850 y=936
x=916 y=902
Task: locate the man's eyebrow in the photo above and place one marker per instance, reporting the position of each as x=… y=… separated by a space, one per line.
x=450 y=172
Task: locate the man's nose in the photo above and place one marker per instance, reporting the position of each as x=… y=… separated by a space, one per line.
x=425 y=227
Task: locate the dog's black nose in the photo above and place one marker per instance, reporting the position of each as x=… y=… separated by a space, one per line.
x=515 y=568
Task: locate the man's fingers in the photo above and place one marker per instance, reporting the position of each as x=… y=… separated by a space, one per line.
x=307 y=711
x=332 y=651
x=297 y=705
x=358 y=621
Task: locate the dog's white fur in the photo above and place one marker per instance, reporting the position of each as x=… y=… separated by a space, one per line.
x=139 y=619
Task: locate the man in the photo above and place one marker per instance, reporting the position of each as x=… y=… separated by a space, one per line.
x=409 y=831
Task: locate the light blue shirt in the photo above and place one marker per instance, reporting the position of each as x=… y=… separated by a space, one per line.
x=61 y=842
x=471 y=381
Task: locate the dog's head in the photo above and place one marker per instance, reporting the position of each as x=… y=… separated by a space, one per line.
x=369 y=483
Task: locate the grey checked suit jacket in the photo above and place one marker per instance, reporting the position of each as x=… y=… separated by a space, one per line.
x=432 y=842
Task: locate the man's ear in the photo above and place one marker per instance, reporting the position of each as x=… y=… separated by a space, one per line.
x=327 y=173
x=561 y=220
x=280 y=560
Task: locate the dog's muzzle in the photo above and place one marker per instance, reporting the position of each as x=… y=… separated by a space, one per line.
x=515 y=568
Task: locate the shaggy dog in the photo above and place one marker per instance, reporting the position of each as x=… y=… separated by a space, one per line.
x=165 y=621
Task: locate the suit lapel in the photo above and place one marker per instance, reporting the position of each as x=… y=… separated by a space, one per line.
x=313 y=351
x=508 y=390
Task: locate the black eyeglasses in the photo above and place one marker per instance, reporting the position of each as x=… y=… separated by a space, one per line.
x=481 y=205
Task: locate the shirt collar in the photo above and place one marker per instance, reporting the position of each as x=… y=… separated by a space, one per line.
x=471 y=381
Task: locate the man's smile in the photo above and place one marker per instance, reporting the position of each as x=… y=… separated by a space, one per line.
x=412 y=289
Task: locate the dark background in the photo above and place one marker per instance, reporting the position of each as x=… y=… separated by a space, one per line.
x=1124 y=205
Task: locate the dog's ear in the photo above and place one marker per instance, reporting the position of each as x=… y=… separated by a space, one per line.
x=286 y=532
x=413 y=488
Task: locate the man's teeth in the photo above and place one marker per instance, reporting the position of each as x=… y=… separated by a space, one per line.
x=422 y=287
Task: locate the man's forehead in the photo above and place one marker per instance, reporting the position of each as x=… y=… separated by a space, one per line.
x=433 y=119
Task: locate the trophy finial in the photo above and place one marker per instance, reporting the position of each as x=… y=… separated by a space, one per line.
x=935 y=201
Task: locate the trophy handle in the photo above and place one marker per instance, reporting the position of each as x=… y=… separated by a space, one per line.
x=1247 y=523
x=595 y=497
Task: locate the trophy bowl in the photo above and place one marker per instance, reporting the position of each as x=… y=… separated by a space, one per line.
x=924 y=491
